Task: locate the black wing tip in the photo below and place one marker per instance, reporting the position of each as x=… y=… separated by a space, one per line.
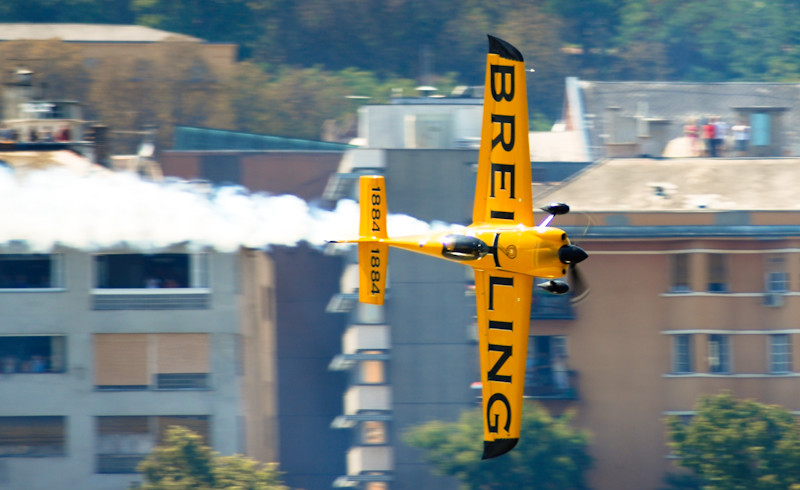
x=498 y=447
x=503 y=49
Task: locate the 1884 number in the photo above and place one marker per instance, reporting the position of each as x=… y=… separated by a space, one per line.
x=376 y=210
x=375 y=273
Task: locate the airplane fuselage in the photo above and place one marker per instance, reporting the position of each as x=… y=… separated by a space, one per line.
x=532 y=251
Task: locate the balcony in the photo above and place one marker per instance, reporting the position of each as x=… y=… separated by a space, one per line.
x=546 y=385
x=365 y=459
x=118 y=463
x=364 y=397
x=546 y=306
x=366 y=337
x=151 y=299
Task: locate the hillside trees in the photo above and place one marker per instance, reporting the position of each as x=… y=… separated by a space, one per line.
x=169 y=85
x=302 y=58
x=59 y=67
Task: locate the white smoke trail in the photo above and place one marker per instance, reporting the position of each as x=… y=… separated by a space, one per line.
x=103 y=210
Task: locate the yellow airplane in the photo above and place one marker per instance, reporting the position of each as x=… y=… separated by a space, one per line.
x=502 y=244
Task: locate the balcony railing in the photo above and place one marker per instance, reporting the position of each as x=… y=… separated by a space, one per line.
x=547 y=384
x=151 y=299
x=118 y=463
x=546 y=306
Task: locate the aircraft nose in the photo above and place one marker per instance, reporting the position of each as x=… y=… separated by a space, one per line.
x=571 y=254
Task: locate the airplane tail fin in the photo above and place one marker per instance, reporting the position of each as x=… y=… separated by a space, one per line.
x=373 y=252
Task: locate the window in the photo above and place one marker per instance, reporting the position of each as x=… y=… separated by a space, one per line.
x=32 y=354
x=372 y=371
x=138 y=271
x=680 y=274
x=32 y=436
x=548 y=306
x=682 y=354
x=547 y=371
x=151 y=361
x=719 y=353
x=777 y=276
x=123 y=442
x=780 y=354
x=717 y=273
x=151 y=282
x=373 y=432
x=760 y=124
x=29 y=271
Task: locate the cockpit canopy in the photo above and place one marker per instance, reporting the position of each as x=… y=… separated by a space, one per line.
x=463 y=247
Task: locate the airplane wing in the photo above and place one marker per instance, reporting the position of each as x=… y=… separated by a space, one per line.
x=503 y=190
x=504 y=305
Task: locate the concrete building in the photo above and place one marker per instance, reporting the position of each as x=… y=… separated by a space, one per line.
x=392 y=352
x=631 y=119
x=99 y=360
x=311 y=454
x=102 y=348
x=694 y=267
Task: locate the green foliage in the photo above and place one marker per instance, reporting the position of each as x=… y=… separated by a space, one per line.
x=302 y=59
x=550 y=454
x=184 y=462
x=738 y=444
x=697 y=43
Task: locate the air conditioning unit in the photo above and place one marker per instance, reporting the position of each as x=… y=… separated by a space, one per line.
x=773 y=299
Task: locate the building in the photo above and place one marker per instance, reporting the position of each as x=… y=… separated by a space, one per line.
x=631 y=119
x=99 y=42
x=258 y=162
x=694 y=267
x=427 y=149
x=102 y=351
x=130 y=335
x=311 y=454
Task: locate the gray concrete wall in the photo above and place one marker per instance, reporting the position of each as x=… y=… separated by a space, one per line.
x=434 y=359
x=71 y=394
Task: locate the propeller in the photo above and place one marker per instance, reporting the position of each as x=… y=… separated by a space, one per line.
x=570 y=255
x=579 y=287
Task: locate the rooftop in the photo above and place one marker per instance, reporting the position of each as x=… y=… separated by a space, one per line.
x=685 y=184
x=89 y=33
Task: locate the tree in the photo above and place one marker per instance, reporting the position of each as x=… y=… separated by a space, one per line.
x=184 y=462
x=550 y=454
x=738 y=444
x=698 y=44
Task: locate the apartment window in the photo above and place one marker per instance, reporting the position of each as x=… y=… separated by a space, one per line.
x=151 y=271
x=780 y=354
x=373 y=432
x=547 y=371
x=717 y=273
x=151 y=361
x=719 y=353
x=32 y=436
x=679 y=273
x=29 y=271
x=777 y=280
x=376 y=485
x=123 y=442
x=32 y=354
x=548 y=306
x=682 y=354
x=371 y=371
